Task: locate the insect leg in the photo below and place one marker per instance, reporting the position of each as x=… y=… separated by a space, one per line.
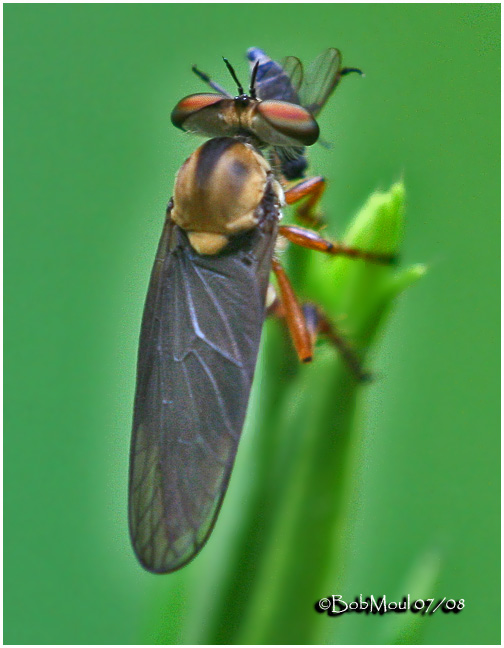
x=311 y=189
x=319 y=324
x=311 y=240
x=294 y=315
x=206 y=79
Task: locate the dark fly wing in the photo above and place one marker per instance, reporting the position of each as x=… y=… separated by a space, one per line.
x=198 y=348
x=320 y=80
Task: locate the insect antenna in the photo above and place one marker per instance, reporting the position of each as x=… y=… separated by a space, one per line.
x=206 y=79
x=252 y=90
x=233 y=74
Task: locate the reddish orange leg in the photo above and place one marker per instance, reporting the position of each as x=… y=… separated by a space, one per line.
x=311 y=189
x=312 y=241
x=309 y=320
x=294 y=315
x=318 y=324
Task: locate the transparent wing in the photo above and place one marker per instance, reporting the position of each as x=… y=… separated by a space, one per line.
x=293 y=68
x=198 y=347
x=320 y=80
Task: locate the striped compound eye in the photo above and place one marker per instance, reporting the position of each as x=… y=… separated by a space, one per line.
x=287 y=124
x=185 y=111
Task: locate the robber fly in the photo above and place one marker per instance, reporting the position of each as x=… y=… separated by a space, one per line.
x=205 y=309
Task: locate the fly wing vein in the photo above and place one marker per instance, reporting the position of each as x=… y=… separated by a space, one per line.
x=195 y=373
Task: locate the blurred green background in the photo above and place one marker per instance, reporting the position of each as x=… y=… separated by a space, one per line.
x=90 y=157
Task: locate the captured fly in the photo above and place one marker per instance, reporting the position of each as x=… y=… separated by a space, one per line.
x=204 y=313
x=287 y=81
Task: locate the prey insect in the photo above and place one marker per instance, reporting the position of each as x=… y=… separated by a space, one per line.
x=205 y=308
x=288 y=81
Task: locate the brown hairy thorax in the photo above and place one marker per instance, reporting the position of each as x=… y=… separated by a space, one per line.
x=218 y=191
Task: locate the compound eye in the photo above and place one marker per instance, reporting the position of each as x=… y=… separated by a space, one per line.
x=292 y=121
x=191 y=105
